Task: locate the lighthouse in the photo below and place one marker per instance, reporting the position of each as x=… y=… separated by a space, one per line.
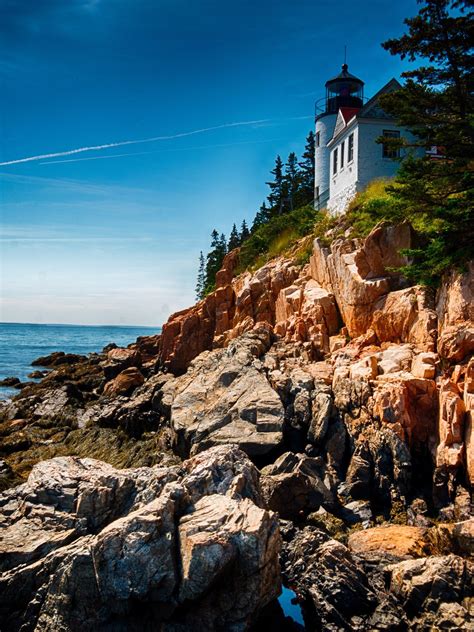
x=343 y=91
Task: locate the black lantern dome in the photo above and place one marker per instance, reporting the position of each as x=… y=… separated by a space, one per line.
x=344 y=91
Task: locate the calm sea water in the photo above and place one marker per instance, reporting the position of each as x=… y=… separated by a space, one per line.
x=20 y=344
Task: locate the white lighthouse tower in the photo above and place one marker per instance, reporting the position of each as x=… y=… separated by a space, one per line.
x=343 y=91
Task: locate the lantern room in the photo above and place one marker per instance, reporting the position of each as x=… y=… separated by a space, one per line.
x=344 y=91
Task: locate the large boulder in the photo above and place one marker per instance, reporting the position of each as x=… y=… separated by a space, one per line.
x=292 y=486
x=225 y=397
x=396 y=541
x=125 y=382
x=85 y=543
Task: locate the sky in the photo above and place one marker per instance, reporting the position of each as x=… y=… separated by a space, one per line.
x=195 y=99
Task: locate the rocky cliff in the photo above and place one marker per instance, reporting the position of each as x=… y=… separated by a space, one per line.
x=352 y=394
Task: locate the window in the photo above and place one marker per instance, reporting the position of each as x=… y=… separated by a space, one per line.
x=334 y=162
x=388 y=151
x=317 y=140
x=316 y=193
x=350 y=148
x=342 y=154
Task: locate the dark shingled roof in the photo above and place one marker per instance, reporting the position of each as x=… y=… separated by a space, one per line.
x=344 y=74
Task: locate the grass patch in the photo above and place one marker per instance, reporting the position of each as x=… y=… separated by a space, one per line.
x=277 y=237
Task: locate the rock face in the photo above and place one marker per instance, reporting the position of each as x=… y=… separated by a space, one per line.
x=353 y=393
x=455 y=310
x=83 y=543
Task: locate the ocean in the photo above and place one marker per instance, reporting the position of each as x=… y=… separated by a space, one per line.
x=20 y=344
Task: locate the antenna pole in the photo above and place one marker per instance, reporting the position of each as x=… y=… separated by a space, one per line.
x=345 y=54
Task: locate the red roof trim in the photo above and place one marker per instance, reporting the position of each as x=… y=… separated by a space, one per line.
x=348 y=113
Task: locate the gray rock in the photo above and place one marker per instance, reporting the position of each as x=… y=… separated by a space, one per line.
x=84 y=544
x=225 y=398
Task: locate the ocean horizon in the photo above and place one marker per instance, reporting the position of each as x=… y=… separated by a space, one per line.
x=21 y=343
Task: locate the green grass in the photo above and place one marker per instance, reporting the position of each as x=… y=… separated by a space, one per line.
x=277 y=237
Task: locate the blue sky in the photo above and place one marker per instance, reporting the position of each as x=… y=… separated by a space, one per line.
x=112 y=236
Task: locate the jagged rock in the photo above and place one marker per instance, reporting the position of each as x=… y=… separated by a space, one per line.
x=468 y=396
x=292 y=486
x=225 y=314
x=395 y=358
x=125 y=382
x=328 y=579
x=358 y=273
x=226 y=537
x=406 y=316
x=306 y=312
x=322 y=411
x=59 y=402
x=94 y=541
x=225 y=398
x=409 y=406
x=450 y=451
x=455 y=309
x=424 y=584
x=119 y=359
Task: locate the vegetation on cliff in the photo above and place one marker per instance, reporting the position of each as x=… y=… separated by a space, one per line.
x=435 y=195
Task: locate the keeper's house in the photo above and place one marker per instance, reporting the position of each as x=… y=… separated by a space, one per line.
x=347 y=154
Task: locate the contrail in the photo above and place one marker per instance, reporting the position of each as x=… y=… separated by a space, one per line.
x=156 y=151
x=80 y=150
x=122 y=143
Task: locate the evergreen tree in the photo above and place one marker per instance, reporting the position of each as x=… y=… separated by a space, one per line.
x=262 y=217
x=234 y=239
x=437 y=104
x=244 y=232
x=200 y=284
x=214 y=260
x=307 y=166
x=291 y=182
x=275 y=198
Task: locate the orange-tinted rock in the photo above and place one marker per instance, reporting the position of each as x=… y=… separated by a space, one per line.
x=398 y=540
x=125 y=382
x=409 y=406
x=424 y=365
x=226 y=273
x=357 y=272
x=468 y=397
x=450 y=450
x=405 y=316
x=306 y=312
x=455 y=309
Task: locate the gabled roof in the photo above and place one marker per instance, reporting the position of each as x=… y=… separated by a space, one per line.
x=372 y=108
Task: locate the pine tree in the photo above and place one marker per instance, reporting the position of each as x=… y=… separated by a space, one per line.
x=244 y=232
x=436 y=103
x=275 y=198
x=234 y=239
x=262 y=217
x=307 y=166
x=214 y=260
x=200 y=284
x=291 y=182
